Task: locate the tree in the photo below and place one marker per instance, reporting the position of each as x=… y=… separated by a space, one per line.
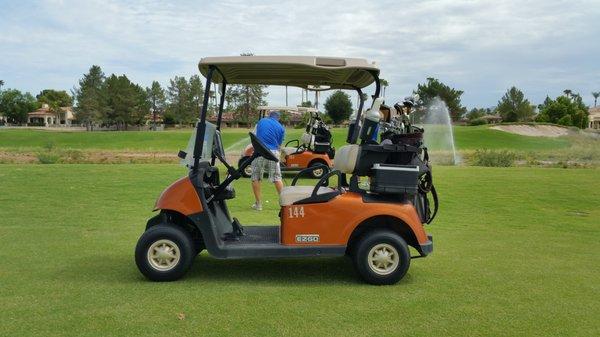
x=434 y=88
x=196 y=94
x=568 y=92
x=477 y=113
x=126 y=102
x=306 y=104
x=384 y=84
x=56 y=99
x=514 y=107
x=15 y=105
x=596 y=94
x=89 y=97
x=180 y=100
x=157 y=101
x=246 y=98
x=565 y=111
x=338 y=106
x=1 y=84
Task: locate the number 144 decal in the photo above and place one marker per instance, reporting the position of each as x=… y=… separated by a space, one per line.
x=296 y=212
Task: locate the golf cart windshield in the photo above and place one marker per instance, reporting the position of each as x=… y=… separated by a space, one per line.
x=207 y=146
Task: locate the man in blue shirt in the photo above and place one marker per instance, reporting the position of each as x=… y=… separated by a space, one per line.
x=271 y=133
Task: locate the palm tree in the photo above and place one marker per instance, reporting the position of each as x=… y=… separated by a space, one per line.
x=385 y=84
x=596 y=94
x=568 y=92
x=1 y=84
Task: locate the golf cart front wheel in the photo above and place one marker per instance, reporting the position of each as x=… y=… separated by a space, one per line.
x=247 y=172
x=164 y=253
x=381 y=257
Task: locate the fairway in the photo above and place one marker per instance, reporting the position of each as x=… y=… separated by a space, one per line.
x=516 y=253
x=466 y=138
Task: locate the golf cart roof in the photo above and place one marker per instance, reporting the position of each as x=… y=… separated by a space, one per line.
x=287 y=108
x=298 y=71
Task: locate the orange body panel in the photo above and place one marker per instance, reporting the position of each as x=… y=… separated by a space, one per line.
x=335 y=220
x=303 y=159
x=181 y=197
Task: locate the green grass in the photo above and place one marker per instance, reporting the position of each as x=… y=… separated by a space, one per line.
x=482 y=137
x=516 y=253
x=467 y=138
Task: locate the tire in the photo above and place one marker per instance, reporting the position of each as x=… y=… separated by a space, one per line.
x=247 y=172
x=174 y=252
x=318 y=173
x=370 y=257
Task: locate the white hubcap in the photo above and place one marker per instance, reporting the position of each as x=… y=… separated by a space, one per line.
x=383 y=259
x=318 y=172
x=248 y=170
x=163 y=255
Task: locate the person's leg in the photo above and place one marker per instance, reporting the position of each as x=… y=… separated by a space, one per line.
x=275 y=174
x=278 y=186
x=257 y=172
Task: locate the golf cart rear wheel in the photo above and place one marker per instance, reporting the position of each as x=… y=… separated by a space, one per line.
x=247 y=172
x=317 y=173
x=381 y=257
x=164 y=253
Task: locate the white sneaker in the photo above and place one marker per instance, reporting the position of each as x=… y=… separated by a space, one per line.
x=257 y=207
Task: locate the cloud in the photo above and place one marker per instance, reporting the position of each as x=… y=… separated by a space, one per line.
x=481 y=47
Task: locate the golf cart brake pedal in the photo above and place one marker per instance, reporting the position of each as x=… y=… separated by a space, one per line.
x=238 y=229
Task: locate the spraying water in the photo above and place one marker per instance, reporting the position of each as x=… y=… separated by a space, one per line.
x=233 y=151
x=439 y=135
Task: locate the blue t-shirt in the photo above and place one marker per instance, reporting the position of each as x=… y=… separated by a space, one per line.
x=270 y=132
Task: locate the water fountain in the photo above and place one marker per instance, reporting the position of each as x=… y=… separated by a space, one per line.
x=439 y=135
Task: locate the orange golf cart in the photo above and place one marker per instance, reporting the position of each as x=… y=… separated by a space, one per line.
x=368 y=207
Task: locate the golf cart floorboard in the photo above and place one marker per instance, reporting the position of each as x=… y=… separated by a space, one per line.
x=263 y=242
x=258 y=235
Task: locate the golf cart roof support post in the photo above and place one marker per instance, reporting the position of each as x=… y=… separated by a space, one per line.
x=377 y=85
x=221 y=105
x=201 y=127
x=356 y=129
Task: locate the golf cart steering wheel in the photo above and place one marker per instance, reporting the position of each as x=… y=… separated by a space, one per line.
x=261 y=149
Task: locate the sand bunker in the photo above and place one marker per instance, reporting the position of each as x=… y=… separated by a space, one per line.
x=534 y=130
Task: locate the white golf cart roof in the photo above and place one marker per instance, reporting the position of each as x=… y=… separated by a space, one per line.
x=298 y=71
x=297 y=109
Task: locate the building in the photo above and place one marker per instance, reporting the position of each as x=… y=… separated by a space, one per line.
x=594 y=118
x=45 y=117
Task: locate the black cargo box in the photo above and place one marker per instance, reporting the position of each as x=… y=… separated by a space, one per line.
x=394 y=179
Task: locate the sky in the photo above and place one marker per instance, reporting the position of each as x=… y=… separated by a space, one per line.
x=480 y=47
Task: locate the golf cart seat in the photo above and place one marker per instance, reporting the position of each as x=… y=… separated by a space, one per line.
x=345 y=163
x=285 y=151
x=292 y=194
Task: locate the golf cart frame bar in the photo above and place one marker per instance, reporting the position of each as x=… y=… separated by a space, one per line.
x=209 y=71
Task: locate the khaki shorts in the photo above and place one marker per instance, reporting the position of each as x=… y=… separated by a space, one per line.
x=260 y=165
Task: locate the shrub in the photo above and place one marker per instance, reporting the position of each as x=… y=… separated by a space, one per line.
x=49 y=145
x=47 y=158
x=492 y=158
x=566 y=120
x=477 y=121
